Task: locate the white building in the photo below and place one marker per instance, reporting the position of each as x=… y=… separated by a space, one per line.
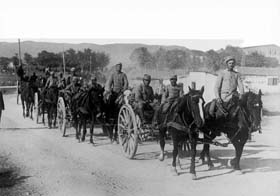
x=266 y=79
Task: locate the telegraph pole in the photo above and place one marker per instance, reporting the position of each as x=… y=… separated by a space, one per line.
x=19 y=53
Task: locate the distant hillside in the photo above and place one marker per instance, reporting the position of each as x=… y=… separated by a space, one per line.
x=117 y=52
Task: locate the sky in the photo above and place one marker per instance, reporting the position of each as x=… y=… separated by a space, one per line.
x=196 y=24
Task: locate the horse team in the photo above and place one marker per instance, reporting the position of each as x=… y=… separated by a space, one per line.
x=184 y=122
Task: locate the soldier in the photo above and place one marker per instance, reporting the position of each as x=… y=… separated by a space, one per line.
x=171 y=94
x=117 y=82
x=93 y=83
x=144 y=96
x=52 y=80
x=73 y=87
x=226 y=86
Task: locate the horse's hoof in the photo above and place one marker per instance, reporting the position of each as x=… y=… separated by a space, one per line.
x=161 y=157
x=210 y=167
x=239 y=172
x=174 y=171
x=91 y=141
x=194 y=177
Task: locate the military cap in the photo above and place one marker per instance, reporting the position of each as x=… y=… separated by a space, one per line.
x=174 y=77
x=72 y=69
x=52 y=73
x=147 y=77
x=229 y=58
x=119 y=64
x=93 y=78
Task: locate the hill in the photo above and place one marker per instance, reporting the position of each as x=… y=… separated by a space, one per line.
x=118 y=52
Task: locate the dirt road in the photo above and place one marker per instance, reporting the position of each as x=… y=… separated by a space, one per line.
x=52 y=165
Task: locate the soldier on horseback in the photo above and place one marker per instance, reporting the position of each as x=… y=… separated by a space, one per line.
x=51 y=81
x=226 y=90
x=117 y=82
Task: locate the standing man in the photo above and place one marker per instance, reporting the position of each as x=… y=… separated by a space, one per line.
x=144 y=96
x=2 y=106
x=226 y=85
x=51 y=80
x=117 y=82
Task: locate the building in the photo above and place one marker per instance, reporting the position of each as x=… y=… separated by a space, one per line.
x=271 y=50
x=255 y=78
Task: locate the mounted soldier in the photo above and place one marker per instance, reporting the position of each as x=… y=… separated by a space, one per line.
x=117 y=82
x=226 y=90
x=170 y=97
x=51 y=81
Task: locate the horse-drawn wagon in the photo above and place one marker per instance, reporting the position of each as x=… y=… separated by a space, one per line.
x=131 y=131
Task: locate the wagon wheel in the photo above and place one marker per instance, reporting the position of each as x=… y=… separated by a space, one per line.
x=128 y=131
x=36 y=107
x=61 y=115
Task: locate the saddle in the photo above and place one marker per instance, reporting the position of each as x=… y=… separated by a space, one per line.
x=221 y=110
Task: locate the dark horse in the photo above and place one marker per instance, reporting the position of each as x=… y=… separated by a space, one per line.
x=27 y=97
x=50 y=103
x=182 y=121
x=111 y=107
x=243 y=119
x=86 y=105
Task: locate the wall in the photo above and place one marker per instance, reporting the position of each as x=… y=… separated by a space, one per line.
x=260 y=82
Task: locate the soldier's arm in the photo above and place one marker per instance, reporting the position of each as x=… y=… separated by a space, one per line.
x=218 y=86
x=240 y=84
x=138 y=94
x=109 y=83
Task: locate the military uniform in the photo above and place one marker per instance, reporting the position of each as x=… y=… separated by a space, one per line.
x=144 y=97
x=226 y=85
x=117 y=82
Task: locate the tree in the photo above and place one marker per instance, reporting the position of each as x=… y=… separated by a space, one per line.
x=142 y=57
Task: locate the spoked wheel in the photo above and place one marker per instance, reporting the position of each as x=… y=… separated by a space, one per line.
x=128 y=131
x=36 y=107
x=61 y=115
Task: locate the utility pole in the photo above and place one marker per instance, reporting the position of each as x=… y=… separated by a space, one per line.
x=90 y=64
x=19 y=53
x=63 y=61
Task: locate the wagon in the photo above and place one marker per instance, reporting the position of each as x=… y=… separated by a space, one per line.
x=131 y=131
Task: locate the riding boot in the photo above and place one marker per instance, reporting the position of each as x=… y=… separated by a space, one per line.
x=141 y=114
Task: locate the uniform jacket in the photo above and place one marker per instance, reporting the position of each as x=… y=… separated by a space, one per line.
x=227 y=83
x=117 y=82
x=144 y=93
x=172 y=93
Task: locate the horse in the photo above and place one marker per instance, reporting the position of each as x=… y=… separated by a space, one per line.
x=27 y=97
x=182 y=121
x=50 y=103
x=111 y=106
x=241 y=121
x=86 y=105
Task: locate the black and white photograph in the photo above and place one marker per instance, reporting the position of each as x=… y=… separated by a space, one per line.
x=140 y=98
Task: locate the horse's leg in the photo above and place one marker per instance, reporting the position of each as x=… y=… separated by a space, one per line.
x=84 y=125
x=49 y=117
x=116 y=133
x=162 y=132
x=91 y=128
x=206 y=149
x=180 y=149
x=55 y=115
x=238 y=145
x=23 y=106
x=193 y=142
x=175 y=153
x=31 y=111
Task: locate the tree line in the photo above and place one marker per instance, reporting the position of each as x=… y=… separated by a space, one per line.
x=194 y=60
x=85 y=61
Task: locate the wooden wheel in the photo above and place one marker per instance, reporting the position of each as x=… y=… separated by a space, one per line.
x=128 y=131
x=61 y=115
x=36 y=107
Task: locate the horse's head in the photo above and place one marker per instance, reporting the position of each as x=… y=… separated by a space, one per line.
x=196 y=104
x=253 y=105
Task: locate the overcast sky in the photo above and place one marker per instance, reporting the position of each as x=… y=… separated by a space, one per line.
x=197 y=24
